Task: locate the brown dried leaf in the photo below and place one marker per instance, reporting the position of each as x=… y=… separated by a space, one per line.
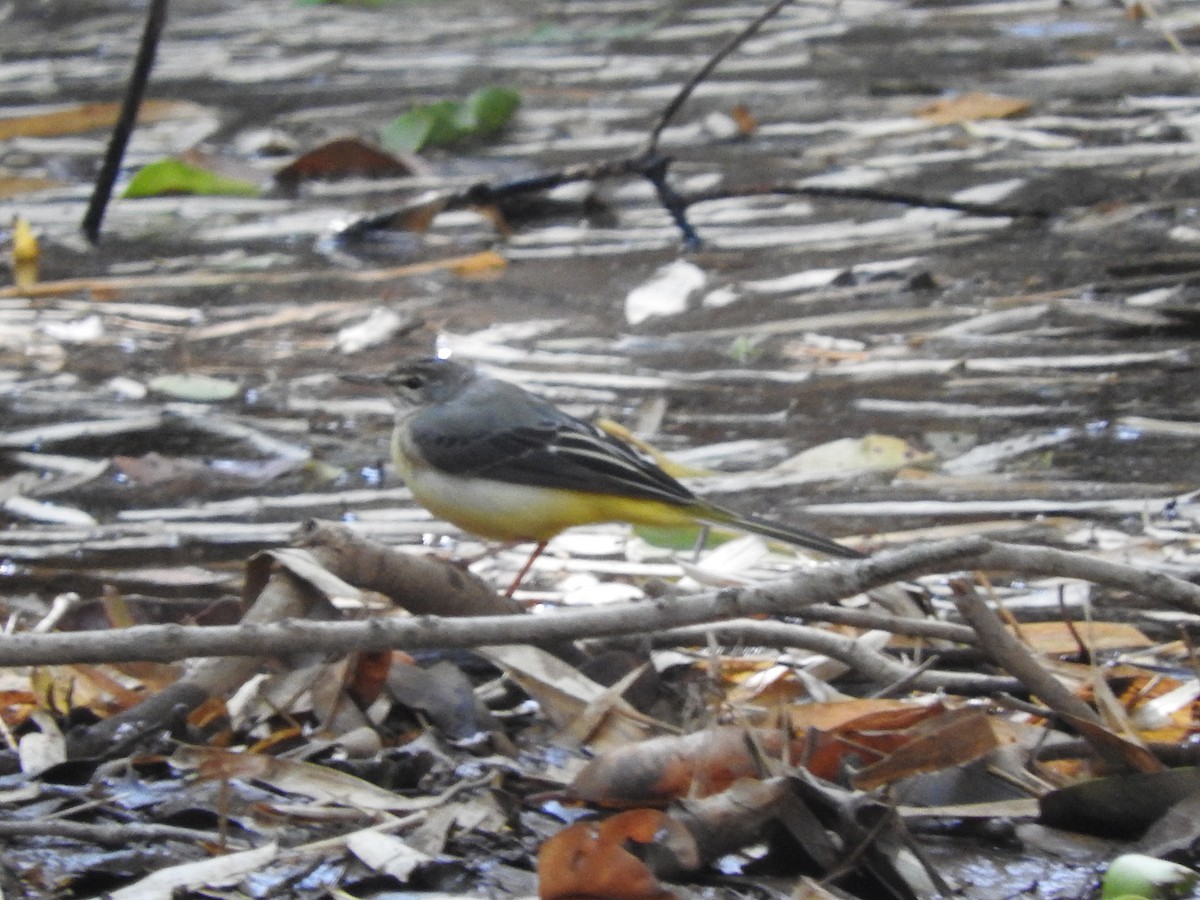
x=14 y=185
x=1059 y=638
x=87 y=117
x=956 y=737
x=666 y=768
x=745 y=120
x=342 y=158
x=972 y=106
x=727 y=821
x=322 y=784
x=484 y=264
x=589 y=859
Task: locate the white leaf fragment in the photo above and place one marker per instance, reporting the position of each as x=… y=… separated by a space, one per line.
x=375 y=329
x=666 y=293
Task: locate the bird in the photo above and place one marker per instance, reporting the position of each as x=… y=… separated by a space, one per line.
x=508 y=465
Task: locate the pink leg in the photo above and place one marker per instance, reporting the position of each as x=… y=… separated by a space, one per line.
x=537 y=551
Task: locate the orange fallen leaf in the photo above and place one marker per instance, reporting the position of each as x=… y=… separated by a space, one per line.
x=971 y=107
x=479 y=265
x=860 y=714
x=368 y=674
x=16 y=705
x=14 y=185
x=1058 y=638
x=212 y=711
x=590 y=859
x=745 y=120
x=692 y=765
x=957 y=737
x=87 y=117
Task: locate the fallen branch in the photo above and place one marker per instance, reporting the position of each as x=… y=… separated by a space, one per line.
x=163 y=643
x=1030 y=560
x=866 y=662
x=283 y=595
x=931 y=629
x=112 y=834
x=1011 y=655
x=785 y=597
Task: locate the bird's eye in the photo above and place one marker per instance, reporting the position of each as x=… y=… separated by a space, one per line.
x=414 y=382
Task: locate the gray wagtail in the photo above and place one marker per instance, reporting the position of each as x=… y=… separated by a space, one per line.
x=505 y=464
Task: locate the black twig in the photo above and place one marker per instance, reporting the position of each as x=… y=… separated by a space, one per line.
x=655 y=171
x=647 y=163
x=685 y=91
x=156 y=18
x=873 y=195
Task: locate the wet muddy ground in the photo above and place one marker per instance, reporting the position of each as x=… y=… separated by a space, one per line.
x=1050 y=329
x=1089 y=311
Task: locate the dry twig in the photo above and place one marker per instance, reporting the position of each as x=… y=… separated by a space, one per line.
x=785 y=597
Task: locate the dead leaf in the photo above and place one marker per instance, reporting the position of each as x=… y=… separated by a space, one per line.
x=838 y=714
x=342 y=158
x=481 y=265
x=89 y=117
x=725 y=822
x=1121 y=805
x=666 y=768
x=368 y=674
x=566 y=696
x=953 y=739
x=972 y=106
x=323 y=785
x=1059 y=638
x=25 y=251
x=666 y=293
x=745 y=120
x=589 y=859
x=871 y=452
x=15 y=185
x=386 y=853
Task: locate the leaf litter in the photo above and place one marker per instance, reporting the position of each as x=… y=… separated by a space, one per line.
x=896 y=372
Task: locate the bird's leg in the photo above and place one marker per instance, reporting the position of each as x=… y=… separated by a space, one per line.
x=701 y=540
x=537 y=551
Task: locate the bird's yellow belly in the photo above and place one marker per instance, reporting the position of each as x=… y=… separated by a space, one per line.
x=510 y=512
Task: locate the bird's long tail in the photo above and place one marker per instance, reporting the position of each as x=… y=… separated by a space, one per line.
x=779 y=532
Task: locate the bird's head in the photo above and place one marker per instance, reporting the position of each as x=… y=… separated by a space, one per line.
x=420 y=381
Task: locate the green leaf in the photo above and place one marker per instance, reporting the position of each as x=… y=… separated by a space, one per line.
x=681 y=537
x=488 y=110
x=420 y=127
x=1133 y=874
x=196 y=388
x=446 y=122
x=173 y=176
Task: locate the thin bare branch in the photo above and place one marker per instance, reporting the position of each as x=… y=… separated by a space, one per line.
x=785 y=597
x=864 y=660
x=685 y=91
x=825 y=584
x=114 y=834
x=156 y=19
x=1007 y=652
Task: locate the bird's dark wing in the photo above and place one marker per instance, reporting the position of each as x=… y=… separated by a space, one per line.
x=515 y=437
